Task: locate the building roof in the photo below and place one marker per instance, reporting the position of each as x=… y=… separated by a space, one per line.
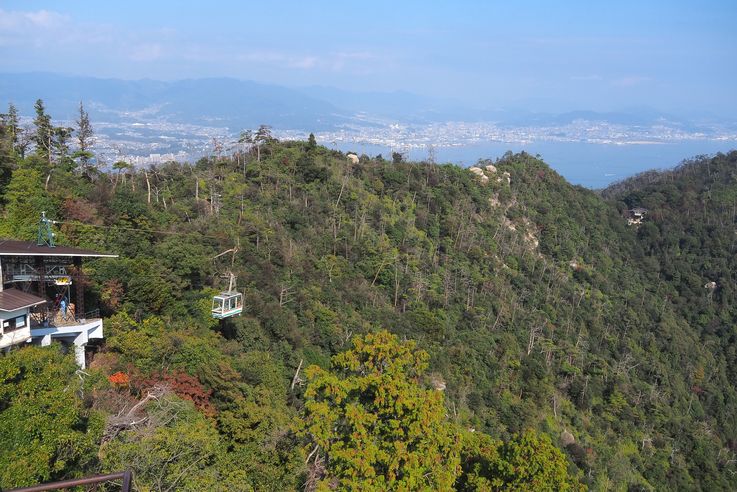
x=13 y=299
x=24 y=248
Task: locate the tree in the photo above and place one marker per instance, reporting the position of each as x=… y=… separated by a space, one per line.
x=122 y=167
x=263 y=136
x=246 y=141
x=479 y=456
x=311 y=142
x=527 y=462
x=531 y=462
x=85 y=136
x=19 y=137
x=10 y=122
x=24 y=139
x=7 y=148
x=26 y=199
x=372 y=424
x=47 y=433
x=44 y=136
x=60 y=144
x=172 y=447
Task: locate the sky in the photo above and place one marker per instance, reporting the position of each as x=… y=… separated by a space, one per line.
x=673 y=56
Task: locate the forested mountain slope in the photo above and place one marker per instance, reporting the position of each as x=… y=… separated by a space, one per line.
x=539 y=306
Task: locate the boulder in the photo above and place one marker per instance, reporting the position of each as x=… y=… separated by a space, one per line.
x=567 y=438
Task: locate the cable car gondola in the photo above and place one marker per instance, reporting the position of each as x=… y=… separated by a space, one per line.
x=228 y=303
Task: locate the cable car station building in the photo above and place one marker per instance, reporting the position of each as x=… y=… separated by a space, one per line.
x=36 y=300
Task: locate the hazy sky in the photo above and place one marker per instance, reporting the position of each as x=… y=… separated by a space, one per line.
x=671 y=55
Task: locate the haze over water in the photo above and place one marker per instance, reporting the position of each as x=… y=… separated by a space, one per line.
x=590 y=165
x=671 y=58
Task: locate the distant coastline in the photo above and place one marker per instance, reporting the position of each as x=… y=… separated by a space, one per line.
x=587 y=164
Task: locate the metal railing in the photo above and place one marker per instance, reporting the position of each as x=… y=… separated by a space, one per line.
x=125 y=476
x=44 y=317
x=94 y=314
x=23 y=272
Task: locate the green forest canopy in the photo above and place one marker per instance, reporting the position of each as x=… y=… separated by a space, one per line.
x=541 y=324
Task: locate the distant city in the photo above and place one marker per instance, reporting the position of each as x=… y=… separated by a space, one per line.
x=155 y=142
x=147 y=122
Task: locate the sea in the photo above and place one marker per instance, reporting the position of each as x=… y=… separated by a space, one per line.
x=592 y=165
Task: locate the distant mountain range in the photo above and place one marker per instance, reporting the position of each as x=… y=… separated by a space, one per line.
x=225 y=102
x=215 y=102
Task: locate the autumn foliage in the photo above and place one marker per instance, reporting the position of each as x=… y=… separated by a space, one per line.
x=183 y=385
x=119 y=379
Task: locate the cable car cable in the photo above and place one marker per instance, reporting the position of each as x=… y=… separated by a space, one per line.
x=151 y=231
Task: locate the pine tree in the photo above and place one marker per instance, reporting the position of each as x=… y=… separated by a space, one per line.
x=44 y=135
x=10 y=122
x=7 y=153
x=263 y=136
x=60 y=145
x=85 y=136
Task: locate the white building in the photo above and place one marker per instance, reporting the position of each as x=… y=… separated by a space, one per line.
x=15 y=316
x=33 y=275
